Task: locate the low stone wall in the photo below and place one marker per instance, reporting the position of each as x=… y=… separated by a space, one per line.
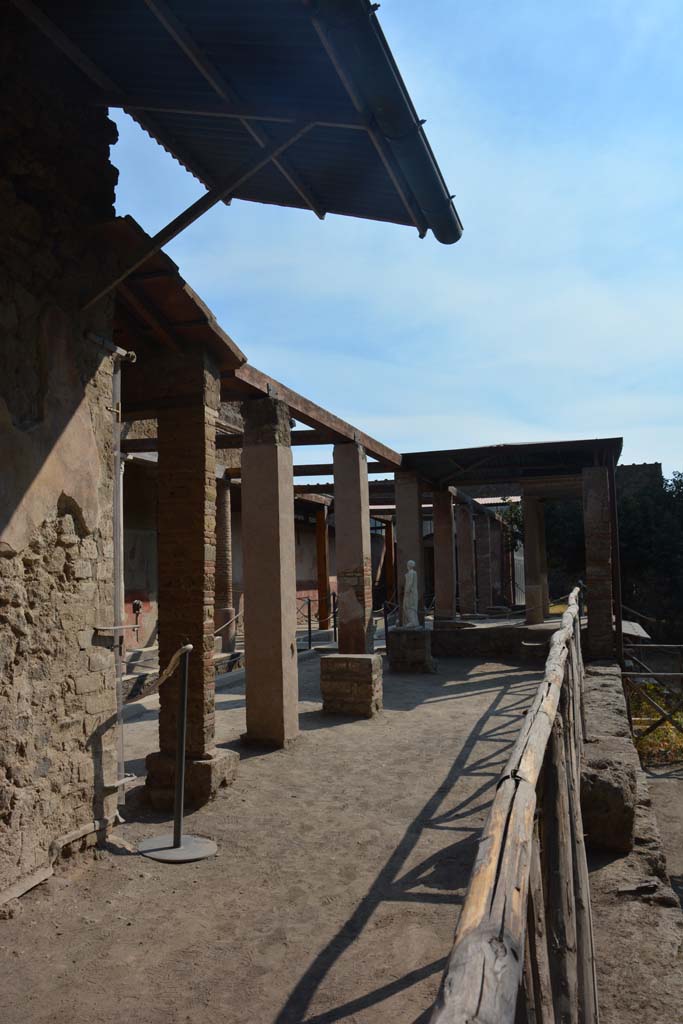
x=491 y=642
x=351 y=684
x=410 y=650
x=610 y=763
x=636 y=916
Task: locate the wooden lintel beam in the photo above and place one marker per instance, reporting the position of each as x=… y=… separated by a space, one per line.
x=151 y=317
x=135 y=445
x=298 y=437
x=309 y=413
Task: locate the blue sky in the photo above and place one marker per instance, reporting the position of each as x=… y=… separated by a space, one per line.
x=559 y=314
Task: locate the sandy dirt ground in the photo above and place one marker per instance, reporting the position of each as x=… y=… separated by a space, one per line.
x=666 y=787
x=342 y=866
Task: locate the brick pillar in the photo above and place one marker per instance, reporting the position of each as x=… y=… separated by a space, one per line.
x=496 y=533
x=187 y=554
x=544 y=558
x=483 y=552
x=409 y=535
x=444 y=556
x=507 y=566
x=268 y=550
x=352 y=549
x=224 y=611
x=389 y=561
x=322 y=549
x=598 y=540
x=465 y=540
x=533 y=580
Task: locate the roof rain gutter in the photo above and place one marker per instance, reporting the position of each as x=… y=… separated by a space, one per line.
x=361 y=56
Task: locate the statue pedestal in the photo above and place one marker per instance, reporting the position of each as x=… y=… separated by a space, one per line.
x=410 y=649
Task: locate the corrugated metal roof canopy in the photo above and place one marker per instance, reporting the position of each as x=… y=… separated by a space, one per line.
x=504 y=463
x=219 y=82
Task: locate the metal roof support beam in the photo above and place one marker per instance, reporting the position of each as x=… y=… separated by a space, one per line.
x=377 y=140
x=196 y=209
x=227 y=111
x=180 y=35
x=90 y=70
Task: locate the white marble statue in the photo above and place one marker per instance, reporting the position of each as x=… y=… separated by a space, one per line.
x=410 y=616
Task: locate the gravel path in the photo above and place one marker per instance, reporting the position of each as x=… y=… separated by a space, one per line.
x=341 y=870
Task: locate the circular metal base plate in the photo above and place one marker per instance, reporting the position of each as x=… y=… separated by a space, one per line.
x=191 y=848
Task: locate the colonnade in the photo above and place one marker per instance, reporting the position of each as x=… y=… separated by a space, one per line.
x=472 y=568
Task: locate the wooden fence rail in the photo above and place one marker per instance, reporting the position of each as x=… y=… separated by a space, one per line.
x=523 y=949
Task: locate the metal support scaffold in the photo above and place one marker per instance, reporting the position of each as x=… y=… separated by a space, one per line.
x=178 y=848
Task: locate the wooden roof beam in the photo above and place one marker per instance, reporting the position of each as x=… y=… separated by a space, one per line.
x=308 y=412
x=150 y=317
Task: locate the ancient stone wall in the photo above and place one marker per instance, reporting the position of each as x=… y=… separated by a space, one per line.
x=57 y=685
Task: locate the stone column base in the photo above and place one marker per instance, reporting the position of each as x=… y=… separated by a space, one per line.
x=410 y=650
x=203 y=778
x=351 y=684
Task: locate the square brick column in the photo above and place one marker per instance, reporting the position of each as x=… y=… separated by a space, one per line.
x=352 y=549
x=187 y=555
x=598 y=540
x=268 y=551
x=508 y=566
x=322 y=550
x=444 y=556
x=224 y=608
x=464 y=526
x=496 y=534
x=533 y=578
x=483 y=552
x=544 y=558
x=389 y=561
x=408 y=492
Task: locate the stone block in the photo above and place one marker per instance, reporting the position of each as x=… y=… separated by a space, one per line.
x=351 y=684
x=611 y=767
x=608 y=801
x=410 y=650
x=203 y=777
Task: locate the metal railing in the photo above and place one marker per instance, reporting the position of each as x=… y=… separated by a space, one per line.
x=524 y=943
x=638 y=675
x=178 y=847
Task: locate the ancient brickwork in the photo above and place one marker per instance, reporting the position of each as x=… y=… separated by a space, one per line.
x=57 y=685
x=351 y=684
x=598 y=541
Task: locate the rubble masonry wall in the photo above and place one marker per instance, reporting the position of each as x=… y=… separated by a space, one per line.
x=57 y=686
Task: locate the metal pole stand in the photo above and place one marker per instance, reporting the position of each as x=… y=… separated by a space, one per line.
x=179 y=848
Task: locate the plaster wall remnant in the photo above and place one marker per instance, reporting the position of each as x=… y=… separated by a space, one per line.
x=57 y=685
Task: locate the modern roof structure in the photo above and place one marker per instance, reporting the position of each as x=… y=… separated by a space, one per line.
x=290 y=102
x=159 y=305
x=507 y=463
